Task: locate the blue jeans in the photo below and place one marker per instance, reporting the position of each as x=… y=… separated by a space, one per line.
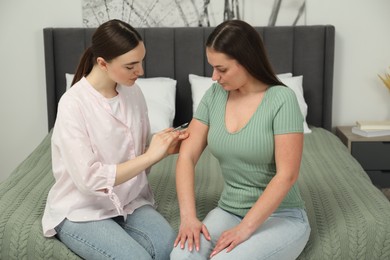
x=144 y=235
x=282 y=236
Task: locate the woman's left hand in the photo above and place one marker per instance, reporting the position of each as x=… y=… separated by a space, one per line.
x=175 y=146
x=230 y=239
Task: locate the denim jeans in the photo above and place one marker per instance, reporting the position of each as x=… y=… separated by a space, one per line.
x=144 y=235
x=282 y=236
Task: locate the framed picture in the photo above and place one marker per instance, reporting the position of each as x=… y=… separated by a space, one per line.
x=181 y=13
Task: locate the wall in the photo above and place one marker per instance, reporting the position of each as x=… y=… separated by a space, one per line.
x=23 y=94
x=362 y=51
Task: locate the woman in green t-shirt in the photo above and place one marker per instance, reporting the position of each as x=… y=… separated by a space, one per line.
x=252 y=124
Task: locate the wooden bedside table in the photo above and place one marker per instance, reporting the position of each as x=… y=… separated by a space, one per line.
x=373 y=153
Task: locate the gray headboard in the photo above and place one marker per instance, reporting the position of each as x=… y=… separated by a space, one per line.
x=177 y=52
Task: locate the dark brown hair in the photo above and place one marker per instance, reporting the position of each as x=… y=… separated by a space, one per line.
x=110 y=40
x=242 y=42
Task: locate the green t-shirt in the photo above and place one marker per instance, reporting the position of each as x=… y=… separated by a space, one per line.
x=247 y=157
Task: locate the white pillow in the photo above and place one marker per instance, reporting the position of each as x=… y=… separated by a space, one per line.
x=160 y=95
x=199 y=86
x=69 y=79
x=284 y=75
x=295 y=83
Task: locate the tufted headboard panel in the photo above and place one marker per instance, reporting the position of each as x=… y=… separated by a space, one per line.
x=177 y=52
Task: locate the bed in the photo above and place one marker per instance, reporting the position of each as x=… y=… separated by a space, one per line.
x=349 y=216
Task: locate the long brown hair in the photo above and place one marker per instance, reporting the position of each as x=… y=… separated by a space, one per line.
x=110 y=40
x=241 y=41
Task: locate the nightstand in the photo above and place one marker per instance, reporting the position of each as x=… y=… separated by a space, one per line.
x=373 y=153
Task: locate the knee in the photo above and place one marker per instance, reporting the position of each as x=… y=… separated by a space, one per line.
x=165 y=245
x=184 y=253
x=169 y=237
x=176 y=254
x=180 y=254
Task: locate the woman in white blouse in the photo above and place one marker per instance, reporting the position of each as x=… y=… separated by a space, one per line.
x=101 y=205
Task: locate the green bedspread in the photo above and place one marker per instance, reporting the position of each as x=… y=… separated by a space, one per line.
x=349 y=217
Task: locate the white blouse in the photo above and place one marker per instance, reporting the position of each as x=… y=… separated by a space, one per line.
x=88 y=141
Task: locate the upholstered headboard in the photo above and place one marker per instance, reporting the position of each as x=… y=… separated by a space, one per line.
x=177 y=52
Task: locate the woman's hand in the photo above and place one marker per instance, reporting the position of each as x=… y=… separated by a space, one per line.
x=230 y=239
x=175 y=146
x=190 y=231
x=164 y=143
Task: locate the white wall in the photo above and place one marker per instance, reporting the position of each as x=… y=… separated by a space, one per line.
x=362 y=51
x=22 y=75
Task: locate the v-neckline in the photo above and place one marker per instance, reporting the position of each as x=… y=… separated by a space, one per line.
x=250 y=119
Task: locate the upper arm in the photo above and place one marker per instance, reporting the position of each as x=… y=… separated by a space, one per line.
x=193 y=146
x=288 y=154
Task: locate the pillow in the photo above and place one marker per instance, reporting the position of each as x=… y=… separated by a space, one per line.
x=295 y=83
x=69 y=79
x=160 y=95
x=200 y=84
x=284 y=75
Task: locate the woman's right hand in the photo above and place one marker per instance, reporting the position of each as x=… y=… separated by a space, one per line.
x=189 y=231
x=161 y=142
x=160 y=146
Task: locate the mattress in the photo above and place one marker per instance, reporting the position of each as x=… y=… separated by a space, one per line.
x=349 y=217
